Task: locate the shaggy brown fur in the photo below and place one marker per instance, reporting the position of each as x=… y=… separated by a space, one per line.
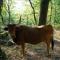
x=32 y=35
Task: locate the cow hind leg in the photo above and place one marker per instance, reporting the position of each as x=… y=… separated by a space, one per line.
x=52 y=43
x=48 y=47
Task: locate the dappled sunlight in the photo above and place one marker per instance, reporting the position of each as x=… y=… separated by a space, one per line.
x=57 y=34
x=19 y=6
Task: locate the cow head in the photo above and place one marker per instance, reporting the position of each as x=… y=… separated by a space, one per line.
x=11 y=28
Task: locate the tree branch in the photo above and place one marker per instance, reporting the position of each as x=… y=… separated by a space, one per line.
x=33 y=11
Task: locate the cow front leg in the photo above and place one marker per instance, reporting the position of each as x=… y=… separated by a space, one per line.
x=48 y=48
x=23 y=49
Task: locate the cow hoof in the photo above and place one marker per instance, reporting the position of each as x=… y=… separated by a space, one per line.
x=49 y=55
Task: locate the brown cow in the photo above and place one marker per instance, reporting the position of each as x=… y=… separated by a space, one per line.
x=32 y=35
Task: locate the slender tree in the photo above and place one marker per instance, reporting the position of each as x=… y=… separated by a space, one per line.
x=9 y=10
x=1 y=4
x=50 y=16
x=19 y=20
x=33 y=11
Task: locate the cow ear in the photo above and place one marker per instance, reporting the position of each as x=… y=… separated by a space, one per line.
x=6 y=29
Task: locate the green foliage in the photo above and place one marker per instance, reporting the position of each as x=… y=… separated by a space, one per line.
x=27 y=17
x=54 y=13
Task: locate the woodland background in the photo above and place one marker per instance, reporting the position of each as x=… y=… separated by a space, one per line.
x=29 y=12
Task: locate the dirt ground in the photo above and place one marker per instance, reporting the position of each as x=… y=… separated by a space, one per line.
x=33 y=52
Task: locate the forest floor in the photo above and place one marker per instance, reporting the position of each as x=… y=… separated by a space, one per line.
x=33 y=52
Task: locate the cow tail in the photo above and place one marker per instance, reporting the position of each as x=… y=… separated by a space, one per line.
x=52 y=43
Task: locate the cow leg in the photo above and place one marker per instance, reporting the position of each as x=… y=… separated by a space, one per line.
x=48 y=46
x=23 y=49
x=48 y=49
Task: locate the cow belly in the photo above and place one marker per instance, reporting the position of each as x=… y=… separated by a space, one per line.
x=32 y=39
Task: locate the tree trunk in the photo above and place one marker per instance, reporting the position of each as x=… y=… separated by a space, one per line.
x=1 y=4
x=19 y=20
x=9 y=11
x=43 y=12
x=2 y=19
